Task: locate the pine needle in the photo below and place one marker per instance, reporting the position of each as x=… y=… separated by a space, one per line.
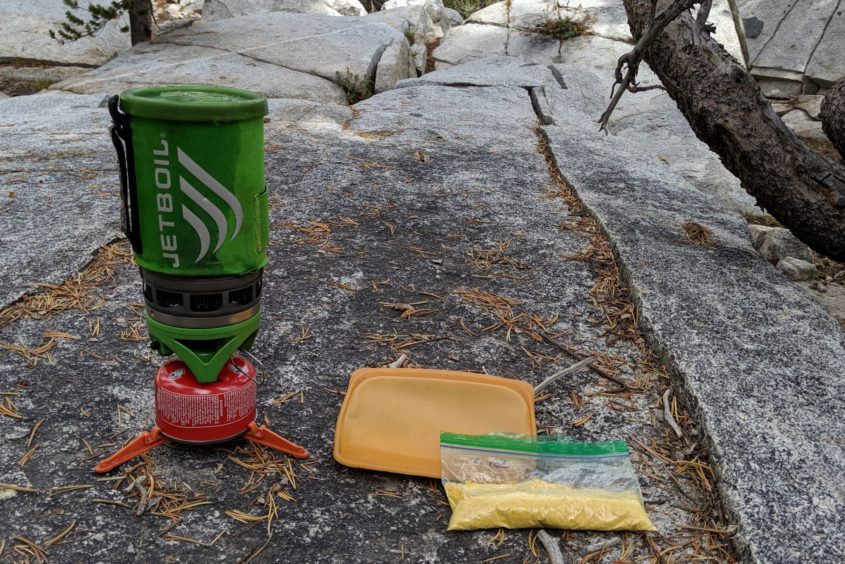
x=58 y=538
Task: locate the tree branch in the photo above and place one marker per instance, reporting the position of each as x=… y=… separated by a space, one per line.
x=726 y=109
x=632 y=59
x=833 y=116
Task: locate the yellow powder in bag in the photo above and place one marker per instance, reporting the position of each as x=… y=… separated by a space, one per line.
x=538 y=503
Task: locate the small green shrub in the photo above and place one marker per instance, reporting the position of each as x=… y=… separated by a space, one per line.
x=39 y=85
x=12 y=86
x=467 y=7
x=357 y=88
x=410 y=32
x=562 y=27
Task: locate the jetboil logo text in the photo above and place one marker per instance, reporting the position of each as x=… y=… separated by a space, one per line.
x=168 y=217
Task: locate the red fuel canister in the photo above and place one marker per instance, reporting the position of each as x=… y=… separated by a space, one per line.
x=190 y=412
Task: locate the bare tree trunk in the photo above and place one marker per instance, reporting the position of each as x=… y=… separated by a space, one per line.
x=140 y=21
x=833 y=116
x=727 y=111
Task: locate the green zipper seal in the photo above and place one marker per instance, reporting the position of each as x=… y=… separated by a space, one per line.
x=541 y=445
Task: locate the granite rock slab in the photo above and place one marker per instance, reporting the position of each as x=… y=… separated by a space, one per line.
x=766 y=15
x=161 y=63
x=775 y=88
x=810 y=103
x=471 y=117
x=804 y=126
x=746 y=345
x=415 y=23
x=654 y=118
x=215 y=10
x=395 y=64
x=494 y=14
x=827 y=64
x=797 y=36
x=317 y=45
x=528 y=14
x=60 y=199
x=24 y=35
x=347 y=7
x=797 y=269
x=37 y=73
x=598 y=53
x=650 y=116
x=326 y=163
x=426 y=176
x=434 y=8
x=533 y=46
x=413 y=19
x=776 y=243
x=470 y=41
x=454 y=16
x=489 y=71
x=604 y=18
x=803 y=38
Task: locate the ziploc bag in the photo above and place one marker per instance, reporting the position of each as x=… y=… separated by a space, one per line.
x=520 y=482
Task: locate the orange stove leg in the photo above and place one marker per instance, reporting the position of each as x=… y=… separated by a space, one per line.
x=144 y=442
x=261 y=435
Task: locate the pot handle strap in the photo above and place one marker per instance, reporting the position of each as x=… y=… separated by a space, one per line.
x=121 y=136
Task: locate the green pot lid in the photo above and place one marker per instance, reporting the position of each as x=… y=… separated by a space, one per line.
x=190 y=102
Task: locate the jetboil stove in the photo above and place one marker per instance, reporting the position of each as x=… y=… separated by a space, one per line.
x=195 y=212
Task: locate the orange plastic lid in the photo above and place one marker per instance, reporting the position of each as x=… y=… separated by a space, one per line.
x=391 y=418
